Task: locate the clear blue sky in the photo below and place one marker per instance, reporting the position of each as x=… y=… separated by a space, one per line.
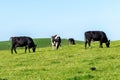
x=67 y=18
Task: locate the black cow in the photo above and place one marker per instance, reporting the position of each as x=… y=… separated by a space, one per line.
x=71 y=41
x=22 y=41
x=56 y=41
x=96 y=36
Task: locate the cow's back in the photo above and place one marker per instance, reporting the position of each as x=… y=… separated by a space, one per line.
x=100 y=35
x=96 y=35
x=22 y=40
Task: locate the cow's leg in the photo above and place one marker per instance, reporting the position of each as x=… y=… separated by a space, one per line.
x=29 y=50
x=25 y=49
x=15 y=49
x=57 y=45
x=85 y=44
x=12 y=50
x=53 y=45
x=29 y=47
x=101 y=44
x=89 y=43
x=60 y=45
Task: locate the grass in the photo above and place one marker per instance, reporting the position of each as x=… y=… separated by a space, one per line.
x=71 y=62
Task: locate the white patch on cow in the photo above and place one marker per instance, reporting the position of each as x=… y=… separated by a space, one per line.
x=56 y=36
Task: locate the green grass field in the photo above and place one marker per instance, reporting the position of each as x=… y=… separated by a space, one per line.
x=70 y=62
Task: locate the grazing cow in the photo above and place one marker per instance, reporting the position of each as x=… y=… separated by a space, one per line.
x=22 y=41
x=96 y=36
x=56 y=41
x=71 y=41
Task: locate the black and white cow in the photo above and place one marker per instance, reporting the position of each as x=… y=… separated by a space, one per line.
x=56 y=41
x=71 y=41
x=22 y=41
x=96 y=36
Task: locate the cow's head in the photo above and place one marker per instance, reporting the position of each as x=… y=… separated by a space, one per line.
x=108 y=44
x=53 y=40
x=34 y=48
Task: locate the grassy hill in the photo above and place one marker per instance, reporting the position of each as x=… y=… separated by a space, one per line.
x=41 y=42
x=71 y=62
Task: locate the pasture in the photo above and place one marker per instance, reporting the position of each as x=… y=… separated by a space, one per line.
x=70 y=62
